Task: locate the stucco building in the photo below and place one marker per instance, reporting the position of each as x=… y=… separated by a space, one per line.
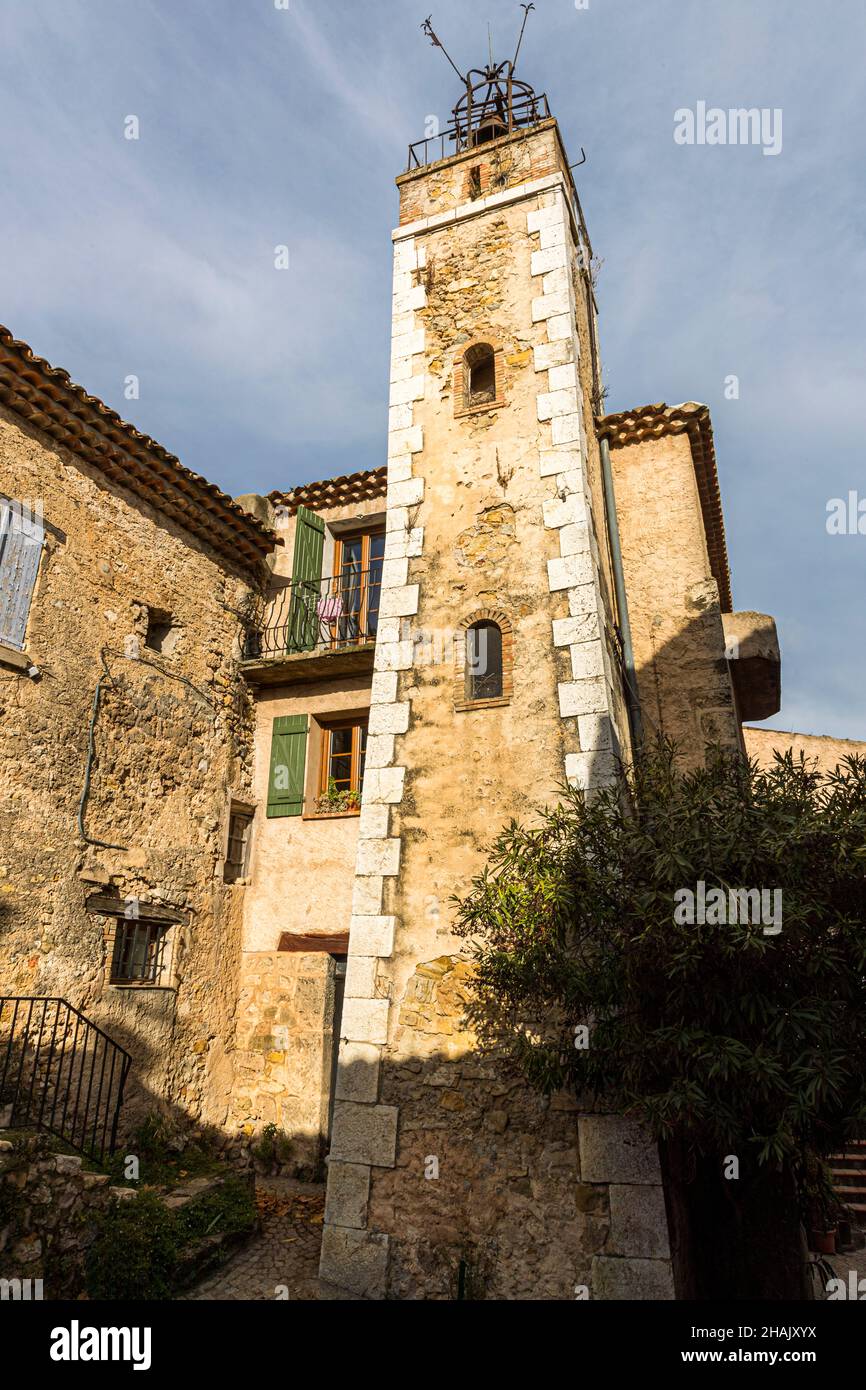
x=250 y=749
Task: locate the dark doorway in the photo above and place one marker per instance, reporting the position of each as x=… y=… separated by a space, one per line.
x=336 y=1022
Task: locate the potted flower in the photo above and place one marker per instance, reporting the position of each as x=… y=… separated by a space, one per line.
x=336 y=801
x=821 y=1206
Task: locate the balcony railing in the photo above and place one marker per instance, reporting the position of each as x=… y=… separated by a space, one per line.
x=333 y=614
x=465 y=133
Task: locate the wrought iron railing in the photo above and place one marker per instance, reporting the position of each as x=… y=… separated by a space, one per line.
x=60 y=1073
x=339 y=612
x=468 y=131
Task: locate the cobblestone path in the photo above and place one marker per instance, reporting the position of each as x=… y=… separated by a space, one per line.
x=283 y=1260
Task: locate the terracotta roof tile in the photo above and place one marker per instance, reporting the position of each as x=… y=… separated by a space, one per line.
x=334 y=492
x=48 y=399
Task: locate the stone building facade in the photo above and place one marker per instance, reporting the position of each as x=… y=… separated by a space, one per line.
x=126 y=730
x=284 y=729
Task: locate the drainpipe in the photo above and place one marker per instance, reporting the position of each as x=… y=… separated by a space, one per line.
x=91 y=752
x=633 y=703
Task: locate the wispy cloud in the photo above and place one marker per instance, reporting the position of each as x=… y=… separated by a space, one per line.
x=262 y=126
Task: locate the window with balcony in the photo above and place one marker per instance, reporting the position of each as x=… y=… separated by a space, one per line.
x=357 y=587
x=315 y=612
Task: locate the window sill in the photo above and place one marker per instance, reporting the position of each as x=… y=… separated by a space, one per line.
x=330 y=815
x=462 y=706
x=11 y=656
x=462 y=410
x=142 y=986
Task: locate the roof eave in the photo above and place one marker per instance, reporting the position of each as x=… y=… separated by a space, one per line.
x=50 y=401
x=693 y=419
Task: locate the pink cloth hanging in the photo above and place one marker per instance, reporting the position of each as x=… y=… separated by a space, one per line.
x=330 y=607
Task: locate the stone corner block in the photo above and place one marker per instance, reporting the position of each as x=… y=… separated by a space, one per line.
x=367 y=895
x=638 y=1222
x=358 y=1073
x=371 y=936
x=378 y=858
x=356 y=1261
x=623 y=1279
x=591 y=770
x=347 y=1194
x=364 y=1134
x=400 y=602
x=365 y=1020
x=361 y=977
x=582 y=697
x=616 y=1149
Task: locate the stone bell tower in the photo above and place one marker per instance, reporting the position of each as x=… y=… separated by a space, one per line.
x=444 y=1176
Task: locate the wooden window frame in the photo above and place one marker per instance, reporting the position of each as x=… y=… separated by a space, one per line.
x=319 y=788
x=248 y=813
x=364 y=535
x=115 y=913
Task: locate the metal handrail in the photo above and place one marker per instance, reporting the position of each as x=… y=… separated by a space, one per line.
x=60 y=1072
x=329 y=614
x=527 y=110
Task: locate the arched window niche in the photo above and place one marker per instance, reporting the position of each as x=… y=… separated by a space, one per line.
x=478 y=378
x=483 y=661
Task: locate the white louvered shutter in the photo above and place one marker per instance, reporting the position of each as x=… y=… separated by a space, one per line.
x=21 y=537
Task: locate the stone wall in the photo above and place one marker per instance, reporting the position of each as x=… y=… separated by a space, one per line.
x=284 y=1053
x=171 y=743
x=822 y=751
x=52 y=1209
x=48 y=1209
x=455 y=181
x=673 y=600
x=300 y=877
x=439 y=1162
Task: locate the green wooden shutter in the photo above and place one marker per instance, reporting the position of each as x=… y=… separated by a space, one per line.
x=288 y=756
x=306 y=581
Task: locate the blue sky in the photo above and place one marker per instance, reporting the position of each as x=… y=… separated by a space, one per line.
x=262 y=126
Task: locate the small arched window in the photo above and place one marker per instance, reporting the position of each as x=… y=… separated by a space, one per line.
x=483 y=661
x=480 y=375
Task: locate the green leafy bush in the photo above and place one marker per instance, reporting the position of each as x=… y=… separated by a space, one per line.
x=722 y=1039
x=136 y=1251
x=141 y=1244
x=274 y=1146
x=165 y=1155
